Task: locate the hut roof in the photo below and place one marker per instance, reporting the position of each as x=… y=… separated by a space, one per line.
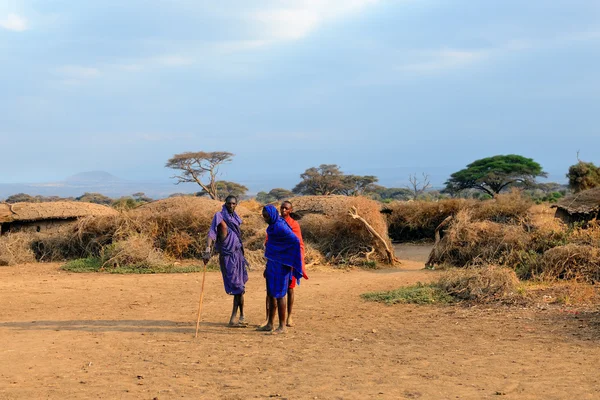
x=51 y=210
x=584 y=202
x=183 y=202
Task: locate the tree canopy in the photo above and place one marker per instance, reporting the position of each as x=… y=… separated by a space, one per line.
x=583 y=176
x=274 y=195
x=225 y=188
x=328 y=179
x=493 y=174
x=194 y=165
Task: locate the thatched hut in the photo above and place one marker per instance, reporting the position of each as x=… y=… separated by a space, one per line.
x=50 y=217
x=579 y=207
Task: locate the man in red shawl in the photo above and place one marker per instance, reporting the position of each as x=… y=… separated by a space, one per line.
x=282 y=252
x=286 y=209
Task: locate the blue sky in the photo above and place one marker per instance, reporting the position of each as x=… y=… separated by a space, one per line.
x=383 y=88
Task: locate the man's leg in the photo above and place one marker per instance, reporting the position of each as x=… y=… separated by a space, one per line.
x=236 y=305
x=281 y=309
x=272 y=306
x=290 y=304
x=242 y=320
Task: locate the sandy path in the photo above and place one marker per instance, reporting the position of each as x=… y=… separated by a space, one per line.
x=81 y=336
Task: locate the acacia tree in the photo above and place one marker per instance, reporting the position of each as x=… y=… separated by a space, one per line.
x=273 y=195
x=225 y=188
x=324 y=180
x=194 y=165
x=583 y=176
x=493 y=174
x=357 y=185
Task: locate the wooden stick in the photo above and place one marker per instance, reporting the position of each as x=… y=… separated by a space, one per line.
x=390 y=254
x=201 y=298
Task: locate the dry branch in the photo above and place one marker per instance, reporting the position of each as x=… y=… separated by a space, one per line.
x=353 y=212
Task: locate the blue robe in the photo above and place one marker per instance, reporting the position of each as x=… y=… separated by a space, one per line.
x=231 y=252
x=283 y=254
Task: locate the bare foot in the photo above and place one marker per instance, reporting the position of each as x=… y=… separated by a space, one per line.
x=265 y=328
x=279 y=331
x=242 y=321
x=263 y=324
x=290 y=322
x=232 y=324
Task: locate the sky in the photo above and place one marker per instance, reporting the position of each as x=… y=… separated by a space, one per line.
x=384 y=88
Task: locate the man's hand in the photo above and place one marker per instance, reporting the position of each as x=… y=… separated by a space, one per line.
x=206 y=254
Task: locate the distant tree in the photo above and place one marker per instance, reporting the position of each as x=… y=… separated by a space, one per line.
x=383 y=193
x=21 y=198
x=225 y=188
x=141 y=197
x=274 y=195
x=493 y=174
x=356 y=185
x=323 y=180
x=583 y=176
x=264 y=198
x=95 y=198
x=281 y=194
x=125 y=203
x=194 y=165
x=418 y=186
x=180 y=194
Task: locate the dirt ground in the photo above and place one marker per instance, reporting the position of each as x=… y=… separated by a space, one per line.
x=77 y=336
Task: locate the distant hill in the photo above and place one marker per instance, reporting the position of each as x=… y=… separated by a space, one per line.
x=92 y=177
x=97 y=182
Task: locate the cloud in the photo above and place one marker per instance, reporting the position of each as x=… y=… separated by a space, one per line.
x=299 y=18
x=13 y=22
x=173 y=60
x=445 y=59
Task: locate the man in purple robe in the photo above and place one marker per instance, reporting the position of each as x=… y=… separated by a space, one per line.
x=227 y=238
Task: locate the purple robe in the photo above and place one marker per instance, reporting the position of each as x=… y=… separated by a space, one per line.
x=283 y=254
x=231 y=252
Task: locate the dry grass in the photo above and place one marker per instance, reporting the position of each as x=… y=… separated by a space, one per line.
x=416 y=220
x=469 y=242
x=15 y=248
x=486 y=284
x=137 y=251
x=571 y=262
x=327 y=226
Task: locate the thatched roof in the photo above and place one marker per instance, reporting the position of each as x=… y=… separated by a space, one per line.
x=51 y=210
x=585 y=202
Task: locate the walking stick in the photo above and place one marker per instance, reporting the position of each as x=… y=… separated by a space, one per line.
x=201 y=297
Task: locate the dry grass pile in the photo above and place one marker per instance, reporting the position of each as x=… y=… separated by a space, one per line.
x=416 y=220
x=541 y=218
x=176 y=226
x=571 y=262
x=137 y=251
x=469 y=242
x=505 y=208
x=486 y=284
x=15 y=248
x=328 y=227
